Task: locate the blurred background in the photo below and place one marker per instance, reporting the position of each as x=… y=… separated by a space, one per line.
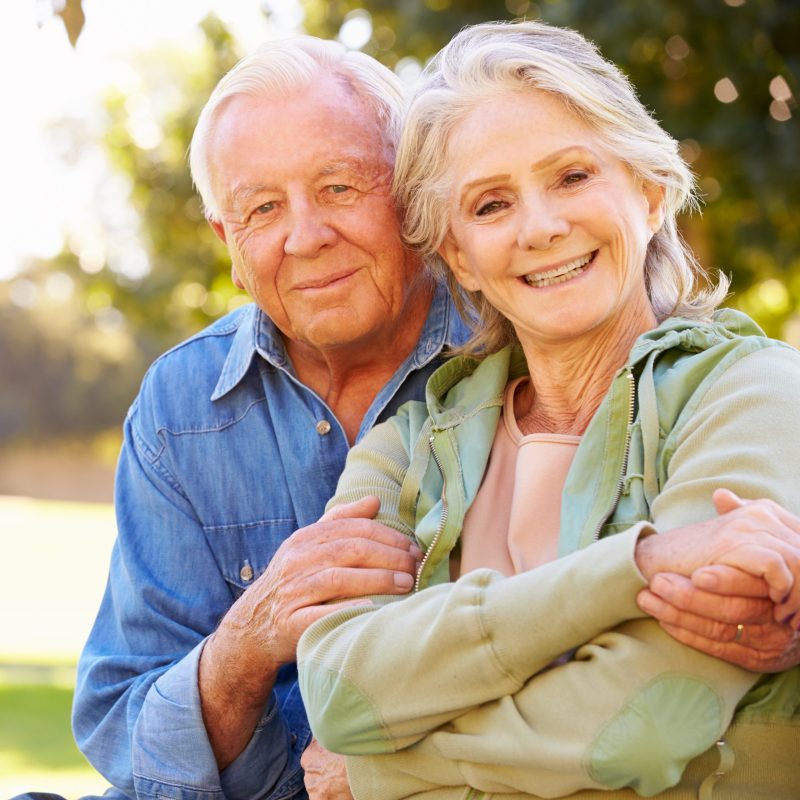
x=107 y=261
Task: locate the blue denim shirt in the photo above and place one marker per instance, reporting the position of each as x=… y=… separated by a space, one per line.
x=223 y=458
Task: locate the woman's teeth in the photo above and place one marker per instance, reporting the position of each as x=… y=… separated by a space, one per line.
x=561 y=274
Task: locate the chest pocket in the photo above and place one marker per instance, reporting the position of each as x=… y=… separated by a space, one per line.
x=243 y=551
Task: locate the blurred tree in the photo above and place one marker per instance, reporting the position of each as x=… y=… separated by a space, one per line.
x=79 y=330
x=721 y=76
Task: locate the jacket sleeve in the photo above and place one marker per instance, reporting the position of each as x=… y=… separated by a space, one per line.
x=646 y=704
x=454 y=646
x=136 y=713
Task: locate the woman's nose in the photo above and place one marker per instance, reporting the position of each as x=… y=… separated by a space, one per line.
x=542 y=224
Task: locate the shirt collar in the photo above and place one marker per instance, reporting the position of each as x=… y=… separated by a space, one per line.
x=257 y=334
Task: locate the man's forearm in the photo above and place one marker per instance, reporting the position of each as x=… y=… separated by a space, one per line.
x=234 y=689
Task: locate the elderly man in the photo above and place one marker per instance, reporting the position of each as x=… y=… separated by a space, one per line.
x=187 y=685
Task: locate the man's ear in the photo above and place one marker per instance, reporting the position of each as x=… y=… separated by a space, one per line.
x=237 y=282
x=451 y=253
x=654 y=195
x=219 y=229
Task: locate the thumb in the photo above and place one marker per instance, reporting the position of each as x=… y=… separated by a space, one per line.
x=366 y=508
x=725 y=500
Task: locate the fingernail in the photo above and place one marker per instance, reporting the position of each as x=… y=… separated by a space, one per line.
x=402 y=580
x=416 y=552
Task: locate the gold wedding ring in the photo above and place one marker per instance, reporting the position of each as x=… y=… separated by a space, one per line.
x=738 y=635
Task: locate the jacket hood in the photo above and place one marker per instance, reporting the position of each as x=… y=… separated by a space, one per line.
x=449 y=397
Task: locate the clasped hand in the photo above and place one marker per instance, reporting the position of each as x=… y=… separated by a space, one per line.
x=730 y=586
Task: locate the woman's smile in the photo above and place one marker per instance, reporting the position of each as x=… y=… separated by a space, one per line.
x=566 y=272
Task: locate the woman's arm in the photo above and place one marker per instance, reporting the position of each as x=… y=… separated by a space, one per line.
x=633 y=706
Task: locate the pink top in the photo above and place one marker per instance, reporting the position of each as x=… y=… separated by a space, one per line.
x=513 y=523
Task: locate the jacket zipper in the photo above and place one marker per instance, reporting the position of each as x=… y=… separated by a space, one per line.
x=442 y=521
x=626 y=452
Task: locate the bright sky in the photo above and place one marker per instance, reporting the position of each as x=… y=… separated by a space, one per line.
x=44 y=78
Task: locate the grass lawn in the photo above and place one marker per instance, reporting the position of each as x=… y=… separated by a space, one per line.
x=52 y=574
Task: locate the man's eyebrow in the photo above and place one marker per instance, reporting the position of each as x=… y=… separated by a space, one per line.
x=359 y=165
x=241 y=195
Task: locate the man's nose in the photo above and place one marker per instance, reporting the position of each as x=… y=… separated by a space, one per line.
x=542 y=224
x=309 y=231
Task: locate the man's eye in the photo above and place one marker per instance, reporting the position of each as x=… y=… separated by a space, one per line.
x=338 y=188
x=265 y=208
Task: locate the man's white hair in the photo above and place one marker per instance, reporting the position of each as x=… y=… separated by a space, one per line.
x=283 y=66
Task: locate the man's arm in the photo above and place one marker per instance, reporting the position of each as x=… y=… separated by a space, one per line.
x=344 y=555
x=138 y=713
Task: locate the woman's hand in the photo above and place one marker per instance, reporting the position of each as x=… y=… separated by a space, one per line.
x=726 y=612
x=710 y=623
x=758 y=538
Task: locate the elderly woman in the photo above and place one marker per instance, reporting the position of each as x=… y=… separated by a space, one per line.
x=602 y=400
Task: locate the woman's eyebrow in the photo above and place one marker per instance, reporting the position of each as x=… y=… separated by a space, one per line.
x=542 y=163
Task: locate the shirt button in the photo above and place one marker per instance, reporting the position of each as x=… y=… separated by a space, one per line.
x=323 y=427
x=246 y=573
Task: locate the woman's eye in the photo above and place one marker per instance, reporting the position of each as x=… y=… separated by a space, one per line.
x=571 y=178
x=265 y=208
x=338 y=188
x=489 y=208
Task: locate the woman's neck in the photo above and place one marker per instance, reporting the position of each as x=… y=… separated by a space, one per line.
x=570 y=379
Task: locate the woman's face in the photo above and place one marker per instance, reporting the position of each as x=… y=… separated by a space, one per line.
x=547 y=224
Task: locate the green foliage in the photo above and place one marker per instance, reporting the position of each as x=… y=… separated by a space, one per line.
x=74 y=364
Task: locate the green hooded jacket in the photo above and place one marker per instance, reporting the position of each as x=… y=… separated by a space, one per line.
x=451 y=693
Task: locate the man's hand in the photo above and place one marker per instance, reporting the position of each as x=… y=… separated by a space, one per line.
x=726 y=612
x=346 y=554
x=325 y=774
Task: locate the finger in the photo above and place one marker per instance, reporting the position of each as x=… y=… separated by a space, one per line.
x=722 y=579
x=365 y=507
x=773 y=652
x=769 y=563
x=350 y=528
x=346 y=583
x=725 y=500
x=702 y=627
x=360 y=553
x=680 y=593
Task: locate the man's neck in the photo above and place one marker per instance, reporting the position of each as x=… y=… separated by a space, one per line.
x=349 y=377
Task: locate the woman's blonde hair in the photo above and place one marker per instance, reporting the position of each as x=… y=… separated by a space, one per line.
x=483 y=60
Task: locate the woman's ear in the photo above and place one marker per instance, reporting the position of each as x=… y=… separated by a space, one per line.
x=654 y=195
x=451 y=253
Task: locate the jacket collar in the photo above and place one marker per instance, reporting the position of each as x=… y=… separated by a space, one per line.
x=448 y=399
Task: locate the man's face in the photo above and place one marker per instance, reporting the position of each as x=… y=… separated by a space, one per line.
x=302 y=184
